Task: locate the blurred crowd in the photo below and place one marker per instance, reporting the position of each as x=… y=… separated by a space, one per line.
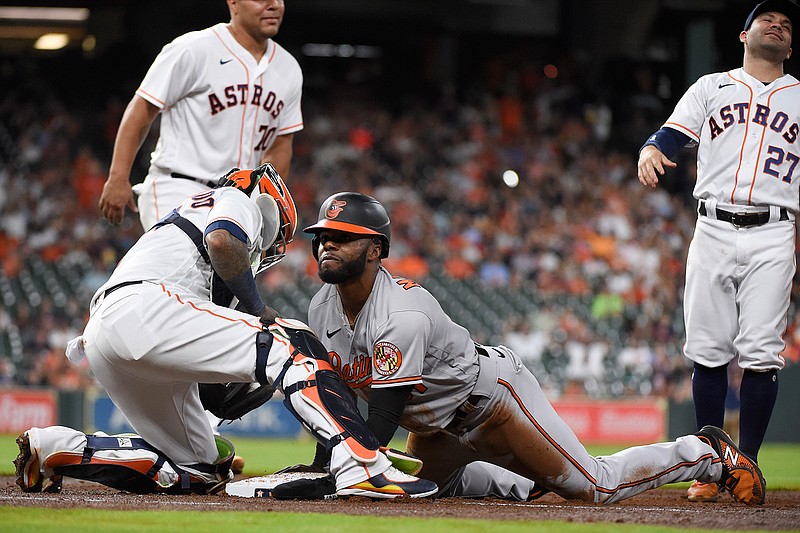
x=597 y=259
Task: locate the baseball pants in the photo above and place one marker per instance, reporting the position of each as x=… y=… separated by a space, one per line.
x=518 y=429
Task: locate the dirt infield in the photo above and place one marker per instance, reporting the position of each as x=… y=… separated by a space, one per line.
x=667 y=507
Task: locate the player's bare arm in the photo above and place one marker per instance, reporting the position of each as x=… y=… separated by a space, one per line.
x=231 y=261
x=652 y=163
x=133 y=129
x=280 y=154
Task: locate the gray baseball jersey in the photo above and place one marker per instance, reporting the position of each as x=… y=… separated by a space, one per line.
x=401 y=337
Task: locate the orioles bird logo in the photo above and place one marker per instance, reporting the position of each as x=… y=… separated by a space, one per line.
x=335 y=208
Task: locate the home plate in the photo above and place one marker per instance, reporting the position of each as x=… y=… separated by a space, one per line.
x=261 y=486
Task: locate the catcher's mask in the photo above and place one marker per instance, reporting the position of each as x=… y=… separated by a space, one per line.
x=352 y=212
x=265 y=186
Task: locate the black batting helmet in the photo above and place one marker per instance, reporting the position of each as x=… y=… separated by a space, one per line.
x=352 y=212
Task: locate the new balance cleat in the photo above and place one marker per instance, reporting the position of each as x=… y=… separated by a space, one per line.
x=391 y=484
x=740 y=475
x=702 y=492
x=28 y=468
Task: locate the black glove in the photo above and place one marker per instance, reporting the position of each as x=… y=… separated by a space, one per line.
x=234 y=400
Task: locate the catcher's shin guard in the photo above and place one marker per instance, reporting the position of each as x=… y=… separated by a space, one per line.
x=329 y=397
x=128 y=463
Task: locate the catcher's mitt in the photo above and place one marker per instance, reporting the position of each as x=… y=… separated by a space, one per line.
x=234 y=400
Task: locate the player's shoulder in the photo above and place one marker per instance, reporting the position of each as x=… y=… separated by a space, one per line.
x=715 y=78
x=283 y=56
x=402 y=292
x=322 y=297
x=195 y=37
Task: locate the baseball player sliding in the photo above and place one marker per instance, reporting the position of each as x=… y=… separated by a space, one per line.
x=228 y=95
x=155 y=331
x=392 y=343
x=741 y=261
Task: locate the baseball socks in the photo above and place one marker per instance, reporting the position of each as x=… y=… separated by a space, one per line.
x=709 y=389
x=757 y=394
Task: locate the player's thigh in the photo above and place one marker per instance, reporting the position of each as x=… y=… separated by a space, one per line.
x=710 y=309
x=525 y=426
x=163 y=335
x=763 y=296
x=441 y=455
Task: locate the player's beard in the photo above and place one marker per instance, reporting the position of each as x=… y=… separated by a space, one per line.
x=765 y=48
x=348 y=270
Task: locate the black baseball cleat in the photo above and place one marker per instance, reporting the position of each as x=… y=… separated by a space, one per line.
x=740 y=475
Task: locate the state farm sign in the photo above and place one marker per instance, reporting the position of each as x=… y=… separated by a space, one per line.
x=22 y=409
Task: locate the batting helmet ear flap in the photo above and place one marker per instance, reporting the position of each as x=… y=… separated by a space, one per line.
x=315 y=246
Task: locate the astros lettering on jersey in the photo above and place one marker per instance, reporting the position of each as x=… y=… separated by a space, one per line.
x=241 y=104
x=747 y=130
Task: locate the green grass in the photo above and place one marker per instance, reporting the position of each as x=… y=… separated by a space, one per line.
x=93 y=520
x=779 y=462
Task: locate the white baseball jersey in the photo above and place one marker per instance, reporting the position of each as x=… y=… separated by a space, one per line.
x=402 y=336
x=167 y=255
x=748 y=134
x=220 y=109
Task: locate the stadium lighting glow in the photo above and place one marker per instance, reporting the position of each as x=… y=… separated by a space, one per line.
x=510 y=178
x=52 y=41
x=49 y=14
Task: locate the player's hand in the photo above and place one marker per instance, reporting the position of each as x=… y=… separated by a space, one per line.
x=651 y=165
x=269 y=315
x=116 y=196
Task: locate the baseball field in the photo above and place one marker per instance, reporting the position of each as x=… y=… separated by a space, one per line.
x=90 y=507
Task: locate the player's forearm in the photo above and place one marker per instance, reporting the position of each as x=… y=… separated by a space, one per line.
x=280 y=155
x=386 y=405
x=133 y=130
x=231 y=262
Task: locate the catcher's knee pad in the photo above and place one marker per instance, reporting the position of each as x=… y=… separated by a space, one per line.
x=130 y=464
x=327 y=394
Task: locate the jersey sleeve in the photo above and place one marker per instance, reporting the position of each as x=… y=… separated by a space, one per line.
x=398 y=354
x=171 y=76
x=689 y=114
x=235 y=213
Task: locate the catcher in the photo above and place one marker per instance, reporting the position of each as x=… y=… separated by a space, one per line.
x=163 y=323
x=462 y=402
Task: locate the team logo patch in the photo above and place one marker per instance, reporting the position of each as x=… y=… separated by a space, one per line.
x=124 y=442
x=334 y=209
x=387 y=358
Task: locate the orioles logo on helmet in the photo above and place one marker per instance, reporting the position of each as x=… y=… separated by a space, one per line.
x=336 y=207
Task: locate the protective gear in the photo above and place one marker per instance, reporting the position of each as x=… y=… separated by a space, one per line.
x=265 y=186
x=325 y=392
x=123 y=462
x=352 y=212
x=234 y=400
